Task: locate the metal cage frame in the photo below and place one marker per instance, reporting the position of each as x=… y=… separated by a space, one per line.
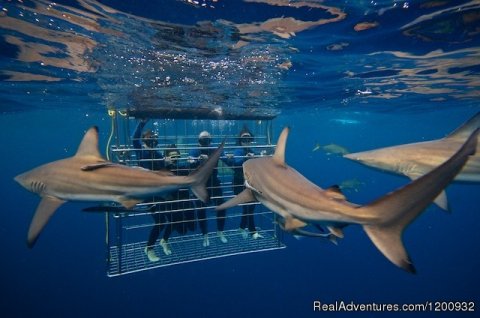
x=127 y=230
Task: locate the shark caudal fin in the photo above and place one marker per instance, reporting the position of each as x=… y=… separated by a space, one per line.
x=46 y=208
x=392 y=213
x=201 y=174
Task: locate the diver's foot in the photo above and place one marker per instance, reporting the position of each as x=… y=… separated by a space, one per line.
x=166 y=247
x=244 y=233
x=257 y=235
x=222 y=237
x=206 y=242
x=152 y=257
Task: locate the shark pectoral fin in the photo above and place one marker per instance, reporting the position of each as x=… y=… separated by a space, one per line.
x=46 y=208
x=442 y=202
x=243 y=197
x=388 y=239
x=96 y=166
x=129 y=202
x=338 y=232
x=164 y=173
x=292 y=223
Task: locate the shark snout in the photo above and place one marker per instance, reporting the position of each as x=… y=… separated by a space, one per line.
x=354 y=156
x=24 y=181
x=20 y=179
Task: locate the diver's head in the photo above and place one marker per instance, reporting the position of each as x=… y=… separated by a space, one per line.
x=171 y=155
x=245 y=137
x=204 y=139
x=149 y=139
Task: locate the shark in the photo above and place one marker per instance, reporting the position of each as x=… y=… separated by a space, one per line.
x=331 y=149
x=416 y=159
x=87 y=176
x=299 y=202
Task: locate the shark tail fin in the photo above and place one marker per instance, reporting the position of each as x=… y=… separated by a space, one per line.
x=392 y=213
x=46 y=208
x=201 y=175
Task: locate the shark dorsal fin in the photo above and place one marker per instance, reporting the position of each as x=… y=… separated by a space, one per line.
x=466 y=129
x=279 y=155
x=89 y=144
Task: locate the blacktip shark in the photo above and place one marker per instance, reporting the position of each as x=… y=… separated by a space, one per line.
x=416 y=159
x=87 y=176
x=300 y=202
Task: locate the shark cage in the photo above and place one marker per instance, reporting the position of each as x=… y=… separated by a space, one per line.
x=195 y=233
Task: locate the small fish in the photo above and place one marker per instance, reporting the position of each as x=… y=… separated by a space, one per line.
x=331 y=149
x=351 y=184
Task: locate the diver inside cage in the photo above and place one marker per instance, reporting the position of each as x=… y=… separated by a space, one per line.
x=195 y=158
x=145 y=143
x=240 y=155
x=150 y=158
x=176 y=213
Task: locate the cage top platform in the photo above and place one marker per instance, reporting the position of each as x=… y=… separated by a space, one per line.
x=198 y=113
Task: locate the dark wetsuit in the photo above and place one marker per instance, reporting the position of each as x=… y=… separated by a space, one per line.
x=178 y=215
x=153 y=160
x=147 y=158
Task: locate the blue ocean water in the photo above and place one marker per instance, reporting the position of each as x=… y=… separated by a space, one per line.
x=358 y=74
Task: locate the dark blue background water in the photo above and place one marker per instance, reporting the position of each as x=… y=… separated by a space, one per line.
x=64 y=275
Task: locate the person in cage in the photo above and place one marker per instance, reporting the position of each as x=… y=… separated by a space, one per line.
x=195 y=158
x=176 y=213
x=240 y=155
x=145 y=143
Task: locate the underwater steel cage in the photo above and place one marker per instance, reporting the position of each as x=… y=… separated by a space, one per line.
x=127 y=231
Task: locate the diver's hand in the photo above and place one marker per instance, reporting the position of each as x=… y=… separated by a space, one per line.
x=202 y=157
